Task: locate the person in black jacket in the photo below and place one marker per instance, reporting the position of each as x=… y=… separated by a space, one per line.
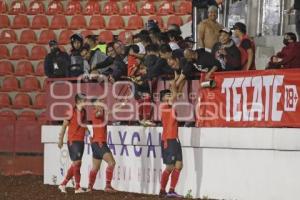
x=57 y=62
x=77 y=61
x=226 y=52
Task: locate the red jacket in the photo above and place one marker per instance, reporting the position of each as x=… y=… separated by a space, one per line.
x=290 y=56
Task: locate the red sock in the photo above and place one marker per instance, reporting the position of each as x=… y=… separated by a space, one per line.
x=68 y=176
x=164 y=179
x=92 y=178
x=174 y=178
x=109 y=175
x=76 y=171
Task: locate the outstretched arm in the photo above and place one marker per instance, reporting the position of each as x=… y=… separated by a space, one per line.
x=62 y=133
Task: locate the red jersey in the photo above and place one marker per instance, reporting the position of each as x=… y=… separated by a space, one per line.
x=244 y=53
x=76 y=131
x=169 y=122
x=99 y=127
x=132 y=63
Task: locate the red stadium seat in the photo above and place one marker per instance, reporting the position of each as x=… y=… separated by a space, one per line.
x=24 y=68
x=17 y=7
x=4 y=21
x=166 y=8
x=77 y=22
x=6 y=68
x=19 y=52
x=27 y=36
x=96 y=22
x=122 y=36
x=59 y=22
x=147 y=8
x=40 y=101
x=8 y=115
x=55 y=7
x=3 y=6
x=39 y=22
x=159 y=20
x=110 y=8
x=135 y=22
x=184 y=8
x=20 y=21
x=73 y=8
x=36 y=7
x=40 y=69
x=64 y=37
x=4 y=53
x=128 y=8
x=92 y=8
x=86 y=33
x=10 y=84
x=22 y=100
x=115 y=22
x=8 y=36
x=174 y=20
x=43 y=119
x=38 y=53
x=30 y=84
x=27 y=116
x=46 y=36
x=5 y=101
x=106 y=36
x=44 y=85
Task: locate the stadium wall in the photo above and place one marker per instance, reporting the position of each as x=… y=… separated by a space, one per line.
x=221 y=163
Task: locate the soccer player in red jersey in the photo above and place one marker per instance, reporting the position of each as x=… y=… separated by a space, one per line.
x=76 y=133
x=100 y=148
x=171 y=147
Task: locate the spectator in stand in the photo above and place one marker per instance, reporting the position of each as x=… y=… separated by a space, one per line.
x=150 y=60
x=133 y=61
x=145 y=41
x=189 y=42
x=94 y=58
x=289 y=56
x=201 y=61
x=246 y=46
x=118 y=66
x=92 y=41
x=119 y=48
x=178 y=64
x=174 y=39
x=226 y=52
x=57 y=62
x=164 y=38
x=77 y=63
x=296 y=7
x=209 y=29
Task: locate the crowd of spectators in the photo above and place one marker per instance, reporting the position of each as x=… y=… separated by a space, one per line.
x=151 y=54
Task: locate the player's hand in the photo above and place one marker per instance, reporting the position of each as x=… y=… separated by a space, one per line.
x=60 y=143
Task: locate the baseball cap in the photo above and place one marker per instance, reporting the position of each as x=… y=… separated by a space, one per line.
x=226 y=30
x=189 y=39
x=52 y=43
x=240 y=26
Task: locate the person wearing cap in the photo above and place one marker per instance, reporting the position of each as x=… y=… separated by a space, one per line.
x=209 y=29
x=246 y=47
x=77 y=62
x=296 y=7
x=226 y=52
x=57 y=62
x=189 y=42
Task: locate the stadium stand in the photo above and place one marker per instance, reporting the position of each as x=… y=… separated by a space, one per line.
x=26 y=28
x=165 y=8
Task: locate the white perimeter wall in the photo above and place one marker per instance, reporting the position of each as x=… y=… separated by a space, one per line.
x=222 y=163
